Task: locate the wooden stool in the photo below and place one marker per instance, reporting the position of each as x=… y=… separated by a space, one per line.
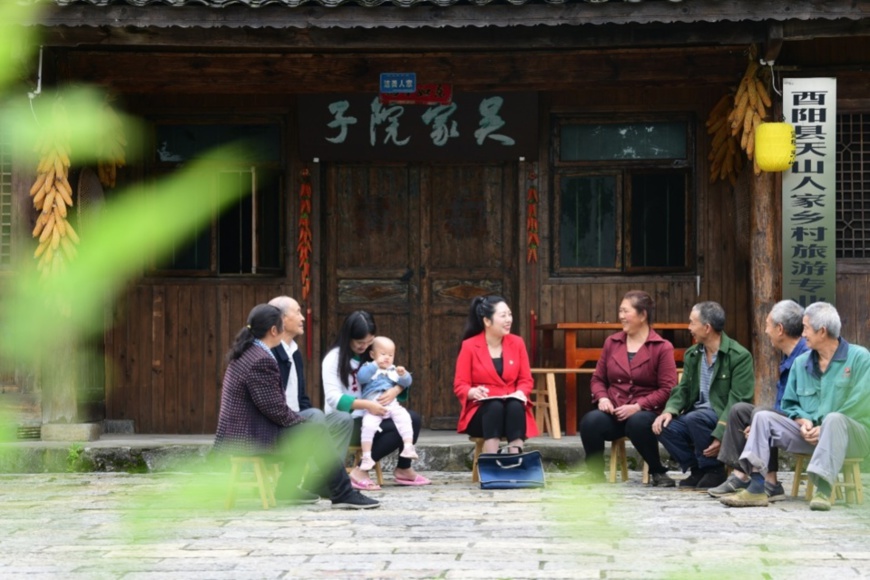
x=357 y=456
x=265 y=479
x=546 y=404
x=619 y=459
x=850 y=489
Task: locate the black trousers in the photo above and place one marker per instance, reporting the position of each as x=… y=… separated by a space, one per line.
x=311 y=442
x=596 y=427
x=388 y=439
x=497 y=418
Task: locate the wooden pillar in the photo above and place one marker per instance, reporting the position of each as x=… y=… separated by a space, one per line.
x=765 y=264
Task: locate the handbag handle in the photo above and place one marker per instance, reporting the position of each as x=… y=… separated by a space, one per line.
x=515 y=465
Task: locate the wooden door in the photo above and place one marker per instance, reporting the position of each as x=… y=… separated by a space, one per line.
x=413 y=244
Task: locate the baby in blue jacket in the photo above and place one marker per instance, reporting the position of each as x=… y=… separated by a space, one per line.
x=375 y=377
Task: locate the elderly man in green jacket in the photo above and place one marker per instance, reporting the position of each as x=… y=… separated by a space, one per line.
x=717 y=373
x=827 y=412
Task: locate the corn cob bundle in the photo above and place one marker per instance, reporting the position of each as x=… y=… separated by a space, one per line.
x=725 y=158
x=52 y=195
x=111 y=150
x=751 y=104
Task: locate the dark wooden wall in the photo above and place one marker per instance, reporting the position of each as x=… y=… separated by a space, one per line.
x=165 y=350
x=167 y=337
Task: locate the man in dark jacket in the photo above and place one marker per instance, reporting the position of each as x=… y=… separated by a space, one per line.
x=717 y=373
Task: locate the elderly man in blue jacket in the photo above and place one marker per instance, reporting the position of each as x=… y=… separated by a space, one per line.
x=827 y=412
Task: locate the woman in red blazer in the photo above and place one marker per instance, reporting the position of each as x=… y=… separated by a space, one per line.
x=630 y=386
x=493 y=381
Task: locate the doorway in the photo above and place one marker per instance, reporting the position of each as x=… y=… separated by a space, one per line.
x=413 y=244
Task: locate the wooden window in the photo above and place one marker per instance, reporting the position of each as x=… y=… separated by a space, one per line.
x=853 y=186
x=623 y=196
x=5 y=198
x=248 y=236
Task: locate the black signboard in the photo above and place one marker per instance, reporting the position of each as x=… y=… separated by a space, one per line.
x=474 y=127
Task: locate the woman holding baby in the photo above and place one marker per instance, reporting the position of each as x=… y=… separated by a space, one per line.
x=343 y=394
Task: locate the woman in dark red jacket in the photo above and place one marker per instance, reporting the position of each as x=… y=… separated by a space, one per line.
x=630 y=386
x=493 y=381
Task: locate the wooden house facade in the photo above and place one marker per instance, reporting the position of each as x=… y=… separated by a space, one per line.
x=588 y=118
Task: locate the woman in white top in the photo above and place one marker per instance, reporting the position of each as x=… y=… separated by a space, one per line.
x=342 y=395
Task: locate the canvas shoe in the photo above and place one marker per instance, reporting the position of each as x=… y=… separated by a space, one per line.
x=820 y=503
x=745 y=499
x=296 y=496
x=732 y=485
x=355 y=501
x=774 y=491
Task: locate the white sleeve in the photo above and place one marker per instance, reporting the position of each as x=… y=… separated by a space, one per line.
x=333 y=389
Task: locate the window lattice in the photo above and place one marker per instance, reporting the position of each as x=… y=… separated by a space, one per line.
x=853 y=185
x=5 y=198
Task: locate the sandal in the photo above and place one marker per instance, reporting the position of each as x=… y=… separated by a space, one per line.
x=365 y=484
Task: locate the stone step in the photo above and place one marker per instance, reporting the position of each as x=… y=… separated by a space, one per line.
x=133 y=453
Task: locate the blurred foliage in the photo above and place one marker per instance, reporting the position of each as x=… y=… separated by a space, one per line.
x=47 y=319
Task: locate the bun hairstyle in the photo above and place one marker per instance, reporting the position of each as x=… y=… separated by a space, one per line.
x=261 y=319
x=642 y=302
x=481 y=307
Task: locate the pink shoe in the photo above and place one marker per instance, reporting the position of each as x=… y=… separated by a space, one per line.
x=367 y=463
x=419 y=480
x=409 y=452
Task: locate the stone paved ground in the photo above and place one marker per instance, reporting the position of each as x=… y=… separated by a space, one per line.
x=102 y=525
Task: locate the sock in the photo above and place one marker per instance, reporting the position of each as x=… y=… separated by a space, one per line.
x=756 y=483
x=824 y=487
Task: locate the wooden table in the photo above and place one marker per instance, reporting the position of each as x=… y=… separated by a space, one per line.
x=584 y=359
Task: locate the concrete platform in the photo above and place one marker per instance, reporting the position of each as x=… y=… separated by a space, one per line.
x=133 y=453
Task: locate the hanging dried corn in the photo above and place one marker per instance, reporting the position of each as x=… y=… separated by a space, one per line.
x=532 y=239
x=303 y=247
x=735 y=125
x=52 y=194
x=111 y=150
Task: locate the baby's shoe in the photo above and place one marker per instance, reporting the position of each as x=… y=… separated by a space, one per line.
x=408 y=452
x=367 y=463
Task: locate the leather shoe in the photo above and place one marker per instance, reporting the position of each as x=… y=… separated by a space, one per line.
x=691 y=481
x=712 y=477
x=661 y=480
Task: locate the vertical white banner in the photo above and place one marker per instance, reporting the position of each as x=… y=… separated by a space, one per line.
x=809 y=196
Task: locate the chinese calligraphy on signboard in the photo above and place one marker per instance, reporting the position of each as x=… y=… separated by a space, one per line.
x=809 y=192
x=474 y=127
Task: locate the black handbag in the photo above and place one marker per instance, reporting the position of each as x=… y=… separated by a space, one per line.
x=511 y=470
